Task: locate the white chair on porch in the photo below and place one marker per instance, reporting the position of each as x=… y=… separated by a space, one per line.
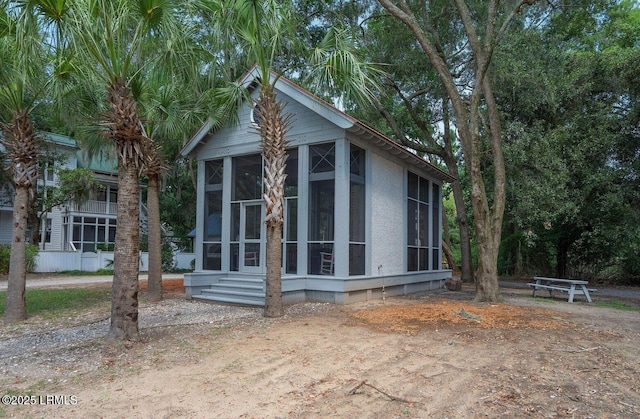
x=326 y=263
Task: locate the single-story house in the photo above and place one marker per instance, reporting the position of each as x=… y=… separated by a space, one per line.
x=362 y=214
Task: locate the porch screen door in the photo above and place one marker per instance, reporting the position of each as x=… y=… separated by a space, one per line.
x=251 y=243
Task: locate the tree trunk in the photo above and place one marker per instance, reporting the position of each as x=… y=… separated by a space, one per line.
x=124 y=304
x=15 y=309
x=273 y=298
x=35 y=223
x=448 y=254
x=154 y=285
x=487 y=288
x=487 y=218
x=466 y=274
x=273 y=127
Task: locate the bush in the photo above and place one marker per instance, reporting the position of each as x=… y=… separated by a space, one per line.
x=106 y=247
x=168 y=263
x=32 y=252
x=5 y=257
x=631 y=269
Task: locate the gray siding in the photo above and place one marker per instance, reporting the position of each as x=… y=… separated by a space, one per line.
x=6 y=229
x=387 y=215
x=242 y=138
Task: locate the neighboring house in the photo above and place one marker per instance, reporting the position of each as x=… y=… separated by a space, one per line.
x=362 y=214
x=84 y=227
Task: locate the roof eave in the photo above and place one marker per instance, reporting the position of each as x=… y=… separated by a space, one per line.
x=195 y=140
x=400 y=152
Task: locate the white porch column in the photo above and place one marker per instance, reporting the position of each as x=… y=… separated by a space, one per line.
x=341 y=227
x=226 y=214
x=303 y=208
x=199 y=214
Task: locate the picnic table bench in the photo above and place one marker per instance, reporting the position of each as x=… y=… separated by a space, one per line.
x=572 y=286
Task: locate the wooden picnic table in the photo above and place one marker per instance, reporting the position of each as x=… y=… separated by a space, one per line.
x=571 y=286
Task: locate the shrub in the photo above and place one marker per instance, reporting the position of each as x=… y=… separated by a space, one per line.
x=32 y=252
x=168 y=263
x=5 y=257
x=106 y=247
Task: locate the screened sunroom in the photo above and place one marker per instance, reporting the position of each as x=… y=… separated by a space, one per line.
x=362 y=214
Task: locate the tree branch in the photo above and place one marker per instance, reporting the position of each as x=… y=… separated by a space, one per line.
x=364 y=383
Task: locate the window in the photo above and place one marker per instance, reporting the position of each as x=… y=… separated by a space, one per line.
x=321 y=209
x=247 y=178
x=357 y=211
x=255 y=115
x=417 y=223
x=46 y=230
x=113 y=195
x=89 y=234
x=49 y=173
x=212 y=235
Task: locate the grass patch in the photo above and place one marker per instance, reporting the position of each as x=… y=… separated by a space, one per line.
x=617 y=304
x=51 y=302
x=545 y=299
x=85 y=273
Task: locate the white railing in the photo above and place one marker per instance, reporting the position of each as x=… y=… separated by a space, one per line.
x=95 y=207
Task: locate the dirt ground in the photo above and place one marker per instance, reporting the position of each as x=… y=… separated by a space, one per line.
x=432 y=355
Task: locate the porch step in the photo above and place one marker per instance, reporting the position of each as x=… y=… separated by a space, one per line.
x=249 y=291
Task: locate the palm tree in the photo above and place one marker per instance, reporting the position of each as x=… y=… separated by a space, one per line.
x=266 y=32
x=154 y=167
x=117 y=40
x=23 y=81
x=173 y=106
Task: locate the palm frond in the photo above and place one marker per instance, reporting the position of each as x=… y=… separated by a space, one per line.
x=337 y=68
x=227 y=100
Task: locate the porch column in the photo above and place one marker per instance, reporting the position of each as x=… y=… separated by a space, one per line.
x=199 y=214
x=341 y=228
x=225 y=232
x=303 y=208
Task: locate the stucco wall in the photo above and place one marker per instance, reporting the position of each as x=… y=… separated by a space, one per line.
x=387 y=215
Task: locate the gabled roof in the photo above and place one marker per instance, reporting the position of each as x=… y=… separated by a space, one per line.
x=59 y=140
x=336 y=116
x=99 y=163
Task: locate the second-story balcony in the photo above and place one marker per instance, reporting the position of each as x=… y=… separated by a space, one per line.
x=95 y=207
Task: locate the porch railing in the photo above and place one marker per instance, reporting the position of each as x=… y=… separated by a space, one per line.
x=95 y=207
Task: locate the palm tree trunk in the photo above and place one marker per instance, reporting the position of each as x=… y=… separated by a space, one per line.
x=273 y=297
x=124 y=306
x=15 y=309
x=273 y=127
x=154 y=285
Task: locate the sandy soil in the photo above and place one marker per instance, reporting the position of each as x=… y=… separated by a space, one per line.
x=436 y=355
